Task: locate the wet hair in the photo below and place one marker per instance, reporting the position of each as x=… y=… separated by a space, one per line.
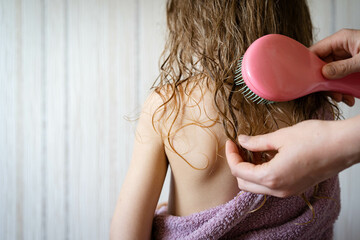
x=206 y=38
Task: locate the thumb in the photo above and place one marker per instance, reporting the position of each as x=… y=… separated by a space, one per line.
x=258 y=143
x=232 y=153
x=342 y=68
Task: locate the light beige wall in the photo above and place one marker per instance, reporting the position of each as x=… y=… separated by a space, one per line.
x=330 y=16
x=69 y=73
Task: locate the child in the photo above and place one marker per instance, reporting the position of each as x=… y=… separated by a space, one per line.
x=194 y=108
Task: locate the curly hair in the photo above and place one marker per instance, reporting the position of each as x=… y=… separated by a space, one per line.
x=206 y=38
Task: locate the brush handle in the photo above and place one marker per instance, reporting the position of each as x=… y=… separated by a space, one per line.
x=278 y=68
x=348 y=85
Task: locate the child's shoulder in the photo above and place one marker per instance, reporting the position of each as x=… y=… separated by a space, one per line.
x=194 y=96
x=197 y=89
x=190 y=101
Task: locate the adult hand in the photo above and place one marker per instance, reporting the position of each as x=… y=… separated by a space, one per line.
x=342 y=53
x=308 y=153
x=313 y=150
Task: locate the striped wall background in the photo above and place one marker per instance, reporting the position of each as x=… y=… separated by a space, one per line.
x=73 y=75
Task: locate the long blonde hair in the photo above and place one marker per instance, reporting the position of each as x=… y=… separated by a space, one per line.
x=206 y=38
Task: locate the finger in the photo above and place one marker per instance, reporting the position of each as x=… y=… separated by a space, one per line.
x=342 y=68
x=240 y=169
x=232 y=153
x=335 y=96
x=332 y=43
x=339 y=97
x=249 y=172
x=348 y=100
x=322 y=48
x=243 y=170
x=261 y=189
x=255 y=188
x=258 y=143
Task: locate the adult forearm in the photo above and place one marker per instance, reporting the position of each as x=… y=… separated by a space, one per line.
x=349 y=142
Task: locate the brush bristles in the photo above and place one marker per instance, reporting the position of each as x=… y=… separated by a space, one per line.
x=246 y=91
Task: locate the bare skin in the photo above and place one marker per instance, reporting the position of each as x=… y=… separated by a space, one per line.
x=308 y=153
x=342 y=51
x=191 y=189
x=311 y=151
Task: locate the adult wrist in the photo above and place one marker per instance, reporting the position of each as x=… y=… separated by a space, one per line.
x=349 y=139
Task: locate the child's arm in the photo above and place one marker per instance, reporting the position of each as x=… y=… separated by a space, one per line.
x=140 y=192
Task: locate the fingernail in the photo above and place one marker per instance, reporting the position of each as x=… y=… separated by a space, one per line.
x=330 y=70
x=243 y=138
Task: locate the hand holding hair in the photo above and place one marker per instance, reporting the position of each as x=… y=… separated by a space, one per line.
x=308 y=153
x=311 y=151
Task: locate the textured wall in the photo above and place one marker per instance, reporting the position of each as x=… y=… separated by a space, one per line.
x=71 y=73
x=330 y=16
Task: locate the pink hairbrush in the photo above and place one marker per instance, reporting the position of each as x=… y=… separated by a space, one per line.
x=276 y=68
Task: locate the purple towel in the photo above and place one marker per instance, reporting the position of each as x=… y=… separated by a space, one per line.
x=276 y=219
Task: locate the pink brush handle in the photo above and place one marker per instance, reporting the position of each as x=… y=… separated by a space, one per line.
x=348 y=85
x=278 y=68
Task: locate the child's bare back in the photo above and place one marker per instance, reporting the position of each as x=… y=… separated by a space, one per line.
x=196 y=106
x=200 y=177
